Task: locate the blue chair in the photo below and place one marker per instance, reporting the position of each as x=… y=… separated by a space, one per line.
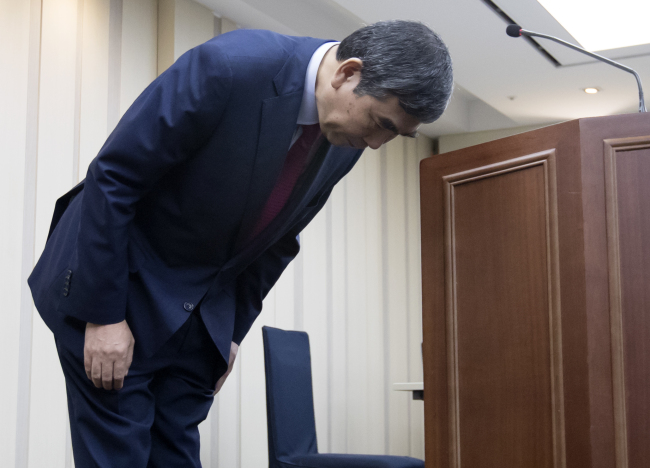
x=290 y=410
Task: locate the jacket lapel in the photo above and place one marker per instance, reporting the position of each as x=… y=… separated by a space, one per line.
x=329 y=164
x=277 y=126
x=273 y=143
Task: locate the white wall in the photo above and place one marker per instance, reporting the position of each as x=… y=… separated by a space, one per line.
x=183 y=24
x=447 y=143
x=16 y=122
x=75 y=66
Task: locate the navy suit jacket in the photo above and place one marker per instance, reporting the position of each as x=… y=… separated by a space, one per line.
x=162 y=220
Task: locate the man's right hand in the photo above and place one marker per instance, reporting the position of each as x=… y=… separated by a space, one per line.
x=108 y=352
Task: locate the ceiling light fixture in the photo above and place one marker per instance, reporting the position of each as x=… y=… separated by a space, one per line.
x=591 y=90
x=602 y=24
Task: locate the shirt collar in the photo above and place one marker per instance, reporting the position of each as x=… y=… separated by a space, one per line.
x=308 y=114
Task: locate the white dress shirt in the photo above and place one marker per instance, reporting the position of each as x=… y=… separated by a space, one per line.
x=308 y=114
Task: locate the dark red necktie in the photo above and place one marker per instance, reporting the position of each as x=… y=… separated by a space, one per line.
x=294 y=165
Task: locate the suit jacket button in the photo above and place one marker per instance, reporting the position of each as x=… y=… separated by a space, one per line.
x=188 y=306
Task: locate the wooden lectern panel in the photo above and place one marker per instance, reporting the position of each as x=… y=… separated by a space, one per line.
x=500 y=250
x=536 y=299
x=627 y=169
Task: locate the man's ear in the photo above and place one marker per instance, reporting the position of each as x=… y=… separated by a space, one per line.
x=348 y=70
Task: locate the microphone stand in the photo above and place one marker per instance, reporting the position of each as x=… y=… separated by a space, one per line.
x=642 y=107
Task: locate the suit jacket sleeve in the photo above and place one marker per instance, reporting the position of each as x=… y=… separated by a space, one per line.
x=254 y=283
x=168 y=123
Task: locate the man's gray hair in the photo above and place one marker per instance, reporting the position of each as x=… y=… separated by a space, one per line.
x=405 y=59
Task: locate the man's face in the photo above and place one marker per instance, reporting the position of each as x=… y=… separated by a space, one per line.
x=360 y=121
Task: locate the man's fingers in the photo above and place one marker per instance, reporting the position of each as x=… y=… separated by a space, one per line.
x=118 y=382
x=87 y=363
x=220 y=383
x=119 y=372
x=108 y=353
x=107 y=375
x=126 y=364
x=129 y=358
x=234 y=348
x=222 y=380
x=96 y=373
x=121 y=367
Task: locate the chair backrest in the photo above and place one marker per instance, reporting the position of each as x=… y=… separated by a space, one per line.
x=289 y=395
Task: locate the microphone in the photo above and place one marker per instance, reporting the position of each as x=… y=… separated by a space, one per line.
x=514 y=30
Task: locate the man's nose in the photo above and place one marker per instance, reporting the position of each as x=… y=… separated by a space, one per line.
x=373 y=143
x=376 y=140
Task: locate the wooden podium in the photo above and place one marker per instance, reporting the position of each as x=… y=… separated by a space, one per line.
x=536 y=299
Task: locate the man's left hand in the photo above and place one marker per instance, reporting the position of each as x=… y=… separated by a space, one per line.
x=233 y=354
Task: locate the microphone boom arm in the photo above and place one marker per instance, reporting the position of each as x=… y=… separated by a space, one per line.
x=642 y=107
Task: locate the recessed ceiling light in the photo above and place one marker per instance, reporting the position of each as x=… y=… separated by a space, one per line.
x=591 y=90
x=603 y=24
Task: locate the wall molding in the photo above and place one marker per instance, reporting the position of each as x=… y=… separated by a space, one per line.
x=29 y=235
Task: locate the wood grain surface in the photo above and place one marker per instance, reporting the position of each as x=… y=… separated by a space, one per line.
x=524 y=365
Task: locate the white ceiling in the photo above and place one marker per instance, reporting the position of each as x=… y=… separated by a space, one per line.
x=501 y=82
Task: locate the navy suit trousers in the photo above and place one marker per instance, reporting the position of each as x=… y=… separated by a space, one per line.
x=153 y=420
